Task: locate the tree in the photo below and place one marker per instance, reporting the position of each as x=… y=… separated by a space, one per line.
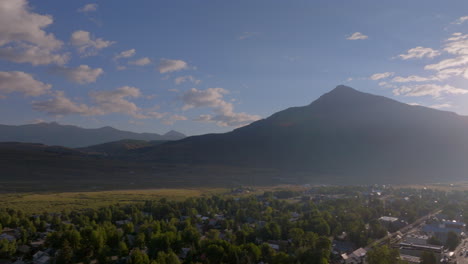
x=123 y=249
x=434 y=241
x=138 y=257
x=383 y=255
x=167 y=258
x=452 y=241
x=428 y=258
x=65 y=254
x=7 y=248
x=214 y=253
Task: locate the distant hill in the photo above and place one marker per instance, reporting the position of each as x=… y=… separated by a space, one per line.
x=345 y=136
x=119 y=148
x=73 y=136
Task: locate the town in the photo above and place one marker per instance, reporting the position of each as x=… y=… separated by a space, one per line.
x=311 y=224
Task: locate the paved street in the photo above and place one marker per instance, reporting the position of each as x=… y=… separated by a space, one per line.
x=461 y=248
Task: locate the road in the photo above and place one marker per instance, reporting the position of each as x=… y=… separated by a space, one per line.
x=461 y=248
x=405 y=230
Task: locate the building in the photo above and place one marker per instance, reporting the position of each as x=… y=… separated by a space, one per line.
x=357 y=257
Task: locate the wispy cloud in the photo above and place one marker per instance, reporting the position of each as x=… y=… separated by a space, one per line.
x=357 y=36
x=419 y=52
x=141 y=62
x=223 y=111
x=379 y=76
x=88 y=8
x=167 y=65
x=246 y=35
x=187 y=78
x=461 y=20
x=125 y=54
x=87 y=45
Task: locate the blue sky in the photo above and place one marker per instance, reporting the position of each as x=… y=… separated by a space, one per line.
x=211 y=66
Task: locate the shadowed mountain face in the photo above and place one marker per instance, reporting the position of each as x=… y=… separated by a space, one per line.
x=345 y=135
x=73 y=136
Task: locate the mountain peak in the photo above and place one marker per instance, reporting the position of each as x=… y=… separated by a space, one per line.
x=345 y=96
x=174 y=135
x=343 y=89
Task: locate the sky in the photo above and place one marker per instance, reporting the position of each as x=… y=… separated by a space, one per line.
x=210 y=66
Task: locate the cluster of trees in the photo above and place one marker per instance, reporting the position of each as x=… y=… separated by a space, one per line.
x=219 y=229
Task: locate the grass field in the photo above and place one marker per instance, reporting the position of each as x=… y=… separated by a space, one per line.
x=32 y=203
x=54 y=202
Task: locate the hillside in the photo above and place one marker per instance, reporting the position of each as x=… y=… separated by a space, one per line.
x=120 y=148
x=73 y=136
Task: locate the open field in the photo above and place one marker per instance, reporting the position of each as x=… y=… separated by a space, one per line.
x=56 y=202
x=450 y=186
x=39 y=202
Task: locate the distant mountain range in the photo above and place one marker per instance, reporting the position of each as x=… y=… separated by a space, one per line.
x=73 y=136
x=344 y=137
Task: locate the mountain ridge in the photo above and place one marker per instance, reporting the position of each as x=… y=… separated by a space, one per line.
x=74 y=136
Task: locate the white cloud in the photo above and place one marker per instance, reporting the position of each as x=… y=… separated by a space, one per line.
x=61 y=105
x=357 y=36
x=21 y=82
x=413 y=78
x=419 y=52
x=22 y=35
x=440 y=106
x=116 y=101
x=86 y=45
x=141 y=62
x=173 y=118
x=104 y=102
x=167 y=65
x=125 y=54
x=224 y=114
x=458 y=46
x=387 y=85
x=448 y=63
x=457 y=36
x=88 y=8
x=433 y=90
x=461 y=20
x=378 y=76
x=82 y=74
x=187 y=78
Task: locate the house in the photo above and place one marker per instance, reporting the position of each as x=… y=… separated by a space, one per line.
x=8 y=237
x=416 y=239
x=38 y=243
x=341 y=246
x=41 y=257
x=441 y=229
x=410 y=259
x=357 y=257
x=274 y=246
x=24 y=249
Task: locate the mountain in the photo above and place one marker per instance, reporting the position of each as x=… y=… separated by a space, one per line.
x=73 y=136
x=345 y=136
